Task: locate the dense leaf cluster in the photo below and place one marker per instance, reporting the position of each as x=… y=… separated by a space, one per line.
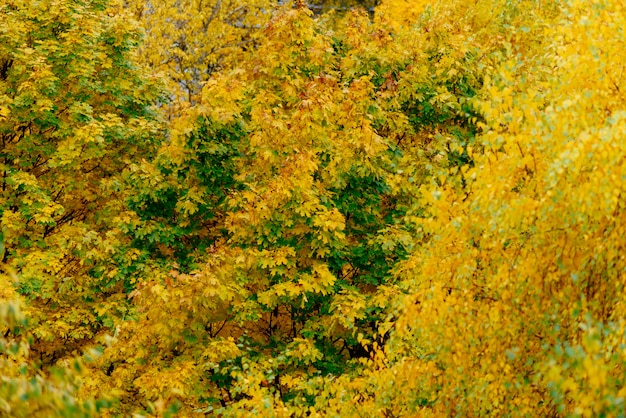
x=256 y=208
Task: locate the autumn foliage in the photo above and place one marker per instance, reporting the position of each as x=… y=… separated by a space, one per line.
x=259 y=209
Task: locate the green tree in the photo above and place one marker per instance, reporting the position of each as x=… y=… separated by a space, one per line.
x=272 y=226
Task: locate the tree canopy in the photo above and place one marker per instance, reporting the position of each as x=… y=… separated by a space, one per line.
x=235 y=208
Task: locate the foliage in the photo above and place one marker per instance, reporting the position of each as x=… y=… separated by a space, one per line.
x=411 y=212
x=523 y=264
x=188 y=41
x=26 y=391
x=74 y=112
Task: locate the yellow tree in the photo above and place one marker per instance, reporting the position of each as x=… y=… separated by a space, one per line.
x=75 y=108
x=26 y=391
x=415 y=213
x=274 y=223
x=516 y=304
x=188 y=41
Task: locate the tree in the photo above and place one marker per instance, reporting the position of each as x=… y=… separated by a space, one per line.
x=416 y=212
x=274 y=224
x=188 y=41
x=75 y=109
x=515 y=302
x=26 y=391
